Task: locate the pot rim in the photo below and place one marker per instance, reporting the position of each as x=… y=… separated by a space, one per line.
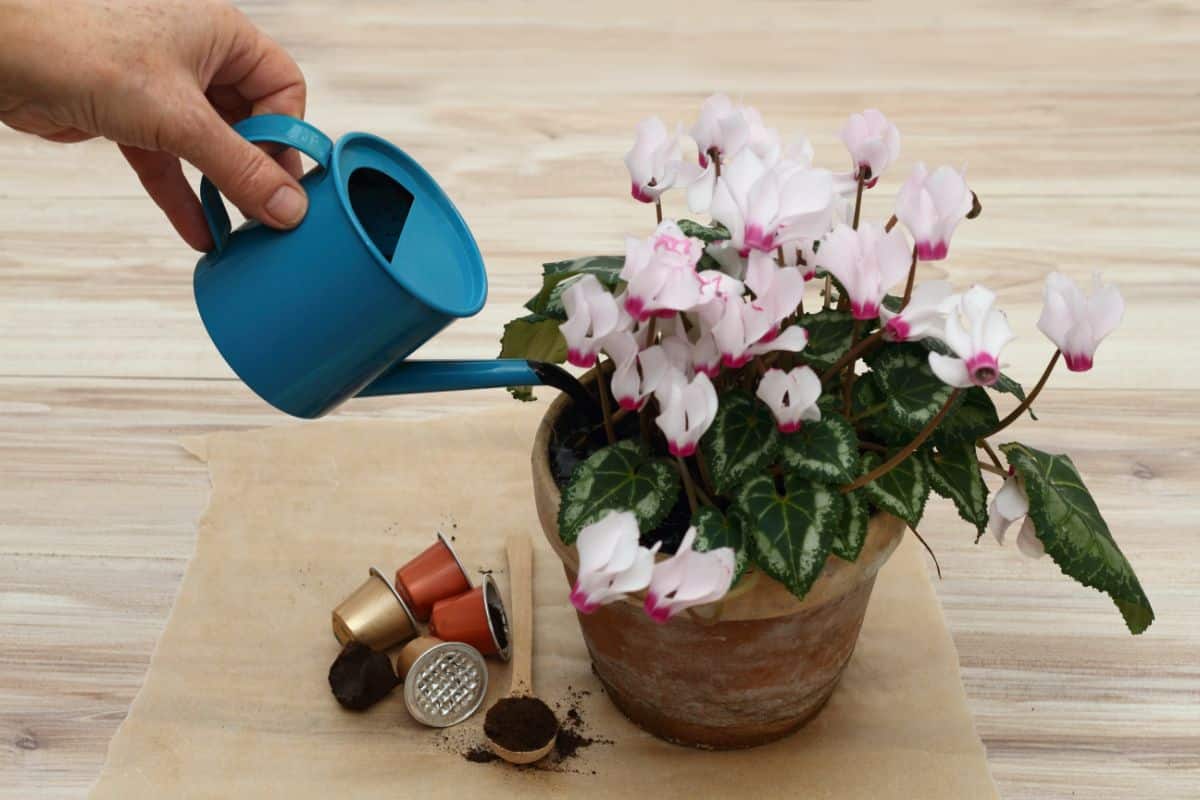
x=760 y=597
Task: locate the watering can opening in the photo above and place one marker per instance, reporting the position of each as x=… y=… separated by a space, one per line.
x=381 y=205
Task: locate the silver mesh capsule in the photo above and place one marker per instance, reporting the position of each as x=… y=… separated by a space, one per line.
x=446 y=684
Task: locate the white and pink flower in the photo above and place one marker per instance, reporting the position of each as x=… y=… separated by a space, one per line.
x=689 y=578
x=592 y=314
x=931 y=206
x=923 y=317
x=1009 y=505
x=612 y=564
x=1076 y=322
x=765 y=207
x=867 y=262
x=660 y=273
x=873 y=142
x=637 y=374
x=688 y=409
x=792 y=396
x=976 y=331
x=654 y=161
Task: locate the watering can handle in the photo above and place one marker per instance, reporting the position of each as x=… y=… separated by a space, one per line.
x=277 y=128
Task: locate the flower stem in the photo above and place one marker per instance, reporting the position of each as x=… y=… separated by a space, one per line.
x=851 y=355
x=828 y=293
x=705 y=475
x=858 y=199
x=1028 y=401
x=658 y=209
x=987 y=448
x=716 y=159
x=891 y=223
x=912 y=276
x=688 y=486
x=848 y=376
x=606 y=406
x=908 y=449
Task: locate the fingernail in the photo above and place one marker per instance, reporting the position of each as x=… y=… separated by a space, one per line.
x=287 y=206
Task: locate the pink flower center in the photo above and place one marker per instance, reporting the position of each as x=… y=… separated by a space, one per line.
x=641 y=195
x=756 y=238
x=580 y=600
x=682 y=449
x=790 y=427
x=932 y=251
x=636 y=307
x=734 y=362
x=867 y=310
x=1078 y=362
x=659 y=614
x=897 y=330
x=630 y=403
x=581 y=359
x=983 y=369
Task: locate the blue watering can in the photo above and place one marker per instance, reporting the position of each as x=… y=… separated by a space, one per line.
x=311 y=317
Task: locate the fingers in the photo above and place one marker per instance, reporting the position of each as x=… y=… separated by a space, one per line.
x=163 y=178
x=251 y=179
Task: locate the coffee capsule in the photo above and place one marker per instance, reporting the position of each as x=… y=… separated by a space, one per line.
x=476 y=617
x=444 y=682
x=375 y=615
x=431 y=576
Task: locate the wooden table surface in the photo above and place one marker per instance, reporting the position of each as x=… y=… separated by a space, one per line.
x=1081 y=125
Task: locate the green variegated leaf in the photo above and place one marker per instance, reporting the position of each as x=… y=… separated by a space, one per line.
x=972 y=418
x=742 y=441
x=848 y=542
x=620 y=477
x=825 y=451
x=954 y=474
x=829 y=334
x=868 y=398
x=1069 y=525
x=793 y=532
x=606 y=269
x=901 y=491
x=914 y=394
x=705 y=233
x=714 y=529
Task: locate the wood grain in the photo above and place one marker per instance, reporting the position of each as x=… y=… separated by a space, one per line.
x=1079 y=121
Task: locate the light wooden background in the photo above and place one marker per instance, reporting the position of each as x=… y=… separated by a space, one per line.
x=1080 y=122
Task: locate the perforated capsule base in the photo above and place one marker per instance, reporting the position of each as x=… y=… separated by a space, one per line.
x=446 y=685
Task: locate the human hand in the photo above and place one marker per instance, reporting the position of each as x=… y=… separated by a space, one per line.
x=165 y=80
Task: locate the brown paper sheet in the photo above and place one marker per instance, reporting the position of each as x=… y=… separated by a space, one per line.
x=236 y=702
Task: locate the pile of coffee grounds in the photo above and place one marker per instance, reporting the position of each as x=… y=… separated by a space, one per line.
x=360 y=677
x=520 y=724
x=573 y=738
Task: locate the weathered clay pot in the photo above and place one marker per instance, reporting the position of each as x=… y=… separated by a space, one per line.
x=743 y=672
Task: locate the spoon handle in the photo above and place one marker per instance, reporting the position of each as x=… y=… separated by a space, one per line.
x=520 y=582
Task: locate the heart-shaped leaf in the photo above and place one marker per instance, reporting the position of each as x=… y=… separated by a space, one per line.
x=1003 y=384
x=913 y=392
x=620 y=477
x=742 y=441
x=954 y=474
x=902 y=491
x=825 y=451
x=792 y=532
x=1069 y=525
x=705 y=233
x=973 y=417
x=829 y=333
x=869 y=403
x=848 y=542
x=714 y=529
x=606 y=269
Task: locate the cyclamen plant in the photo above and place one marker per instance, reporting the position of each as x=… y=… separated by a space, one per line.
x=786 y=426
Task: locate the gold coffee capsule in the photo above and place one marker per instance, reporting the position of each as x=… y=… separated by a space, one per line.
x=374 y=615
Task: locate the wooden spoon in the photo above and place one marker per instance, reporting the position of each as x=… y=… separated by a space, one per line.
x=520 y=575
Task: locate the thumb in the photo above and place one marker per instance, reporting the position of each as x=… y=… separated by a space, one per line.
x=252 y=180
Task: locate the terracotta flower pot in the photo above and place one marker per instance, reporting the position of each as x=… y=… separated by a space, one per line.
x=749 y=670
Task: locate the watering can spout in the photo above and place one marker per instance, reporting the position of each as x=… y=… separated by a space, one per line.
x=416 y=377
